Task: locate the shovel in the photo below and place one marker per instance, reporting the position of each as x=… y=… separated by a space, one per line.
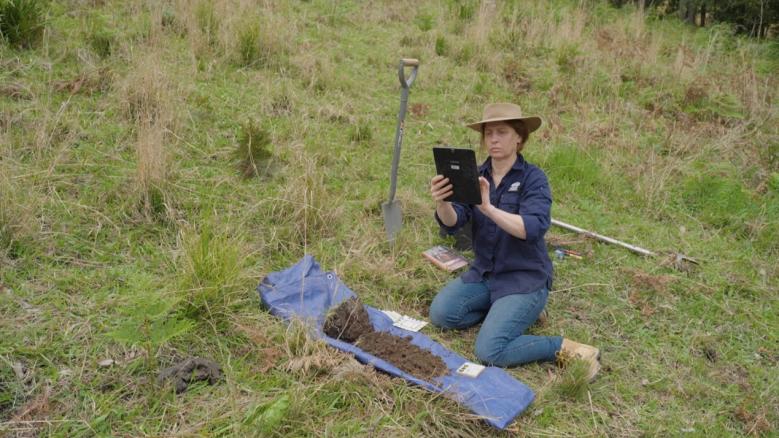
x=393 y=218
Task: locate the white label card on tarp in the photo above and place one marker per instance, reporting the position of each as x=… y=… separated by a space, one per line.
x=470 y=369
x=410 y=324
x=394 y=316
x=405 y=322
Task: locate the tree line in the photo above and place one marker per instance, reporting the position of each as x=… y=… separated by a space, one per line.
x=757 y=18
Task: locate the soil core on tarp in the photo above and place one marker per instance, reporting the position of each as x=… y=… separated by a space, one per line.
x=403 y=354
x=349 y=322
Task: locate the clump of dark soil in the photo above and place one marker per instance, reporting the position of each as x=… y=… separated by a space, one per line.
x=403 y=354
x=349 y=322
x=189 y=371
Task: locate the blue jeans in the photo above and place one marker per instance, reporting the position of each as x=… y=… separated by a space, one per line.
x=501 y=340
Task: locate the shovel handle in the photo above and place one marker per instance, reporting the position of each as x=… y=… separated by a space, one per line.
x=407 y=62
x=405 y=84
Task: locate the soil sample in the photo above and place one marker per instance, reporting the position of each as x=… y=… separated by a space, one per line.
x=403 y=354
x=348 y=321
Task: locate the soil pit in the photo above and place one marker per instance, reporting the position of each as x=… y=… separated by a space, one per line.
x=349 y=322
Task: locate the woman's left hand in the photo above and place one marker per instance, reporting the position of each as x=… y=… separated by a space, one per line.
x=484 y=185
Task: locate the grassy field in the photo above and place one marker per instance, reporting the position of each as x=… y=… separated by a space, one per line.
x=157 y=159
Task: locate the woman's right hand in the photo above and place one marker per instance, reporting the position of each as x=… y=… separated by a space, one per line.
x=440 y=188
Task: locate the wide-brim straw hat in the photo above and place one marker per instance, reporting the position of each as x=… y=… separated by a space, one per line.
x=501 y=112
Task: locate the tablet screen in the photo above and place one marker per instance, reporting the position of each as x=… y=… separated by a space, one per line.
x=459 y=165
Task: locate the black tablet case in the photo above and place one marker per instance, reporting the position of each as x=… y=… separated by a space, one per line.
x=459 y=165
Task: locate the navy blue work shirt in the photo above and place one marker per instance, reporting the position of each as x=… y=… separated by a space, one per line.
x=508 y=264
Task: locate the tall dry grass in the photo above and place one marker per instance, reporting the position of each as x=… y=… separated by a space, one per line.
x=16 y=214
x=304 y=206
x=249 y=33
x=689 y=100
x=150 y=101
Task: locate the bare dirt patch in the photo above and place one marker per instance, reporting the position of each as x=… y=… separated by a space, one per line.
x=755 y=422
x=420 y=109
x=649 y=282
x=349 y=322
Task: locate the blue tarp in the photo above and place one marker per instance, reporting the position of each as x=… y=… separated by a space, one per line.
x=306 y=292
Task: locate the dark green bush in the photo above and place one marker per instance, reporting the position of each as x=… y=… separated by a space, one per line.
x=22 y=21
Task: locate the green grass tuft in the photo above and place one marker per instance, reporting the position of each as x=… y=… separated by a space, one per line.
x=441 y=46
x=22 y=22
x=100 y=38
x=208 y=21
x=572 y=170
x=567 y=56
x=655 y=133
x=464 y=9
x=718 y=199
x=425 y=22
x=253 y=152
x=573 y=381
x=210 y=268
x=149 y=320
x=248 y=47
x=361 y=132
x=15 y=220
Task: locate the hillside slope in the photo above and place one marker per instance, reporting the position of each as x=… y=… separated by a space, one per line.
x=133 y=229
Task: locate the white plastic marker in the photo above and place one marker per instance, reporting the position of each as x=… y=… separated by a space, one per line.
x=394 y=316
x=410 y=324
x=470 y=369
x=405 y=322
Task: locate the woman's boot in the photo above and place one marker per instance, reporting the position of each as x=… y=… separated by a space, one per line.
x=574 y=350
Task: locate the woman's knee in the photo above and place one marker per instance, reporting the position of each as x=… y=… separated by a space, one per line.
x=441 y=314
x=459 y=305
x=488 y=352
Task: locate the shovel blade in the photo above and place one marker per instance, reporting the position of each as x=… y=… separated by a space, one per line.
x=393 y=219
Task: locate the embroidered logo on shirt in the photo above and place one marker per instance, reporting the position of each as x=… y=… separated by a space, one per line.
x=514 y=187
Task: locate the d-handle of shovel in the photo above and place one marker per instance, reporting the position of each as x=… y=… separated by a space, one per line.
x=405 y=85
x=407 y=62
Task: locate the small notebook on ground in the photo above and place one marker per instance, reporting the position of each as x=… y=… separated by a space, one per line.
x=459 y=165
x=445 y=258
